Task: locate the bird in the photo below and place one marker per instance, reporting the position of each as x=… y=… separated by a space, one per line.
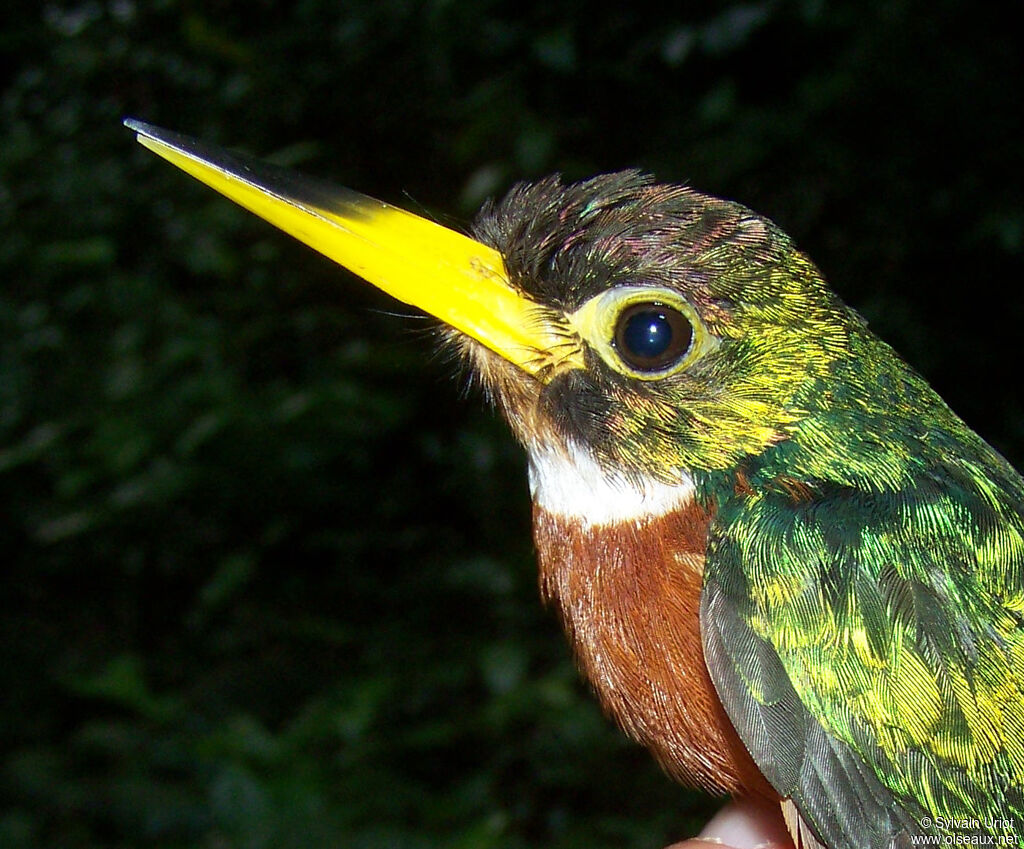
x=783 y=563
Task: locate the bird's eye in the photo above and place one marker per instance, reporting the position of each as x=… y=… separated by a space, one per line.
x=644 y=332
x=652 y=337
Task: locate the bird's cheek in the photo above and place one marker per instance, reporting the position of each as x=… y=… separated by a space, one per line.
x=576 y=408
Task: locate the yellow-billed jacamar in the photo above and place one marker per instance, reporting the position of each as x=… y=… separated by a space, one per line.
x=784 y=564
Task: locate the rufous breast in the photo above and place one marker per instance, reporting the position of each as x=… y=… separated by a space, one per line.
x=627 y=589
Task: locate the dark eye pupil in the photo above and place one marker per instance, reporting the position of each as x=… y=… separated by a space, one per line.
x=647 y=334
x=652 y=337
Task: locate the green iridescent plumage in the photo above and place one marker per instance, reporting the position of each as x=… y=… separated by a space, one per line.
x=878 y=553
x=891 y=621
x=892 y=600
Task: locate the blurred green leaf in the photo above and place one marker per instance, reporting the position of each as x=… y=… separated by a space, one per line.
x=121 y=681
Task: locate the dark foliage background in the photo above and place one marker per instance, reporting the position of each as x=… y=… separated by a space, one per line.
x=266 y=581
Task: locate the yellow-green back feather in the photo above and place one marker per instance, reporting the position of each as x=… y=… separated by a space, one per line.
x=884 y=607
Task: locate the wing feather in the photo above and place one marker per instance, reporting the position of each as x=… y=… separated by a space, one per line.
x=868 y=647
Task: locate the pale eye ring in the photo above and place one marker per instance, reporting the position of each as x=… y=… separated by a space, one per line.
x=652 y=336
x=643 y=332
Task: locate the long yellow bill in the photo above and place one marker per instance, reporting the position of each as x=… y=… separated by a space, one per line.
x=454 y=278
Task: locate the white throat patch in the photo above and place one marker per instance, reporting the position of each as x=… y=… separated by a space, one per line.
x=569 y=482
